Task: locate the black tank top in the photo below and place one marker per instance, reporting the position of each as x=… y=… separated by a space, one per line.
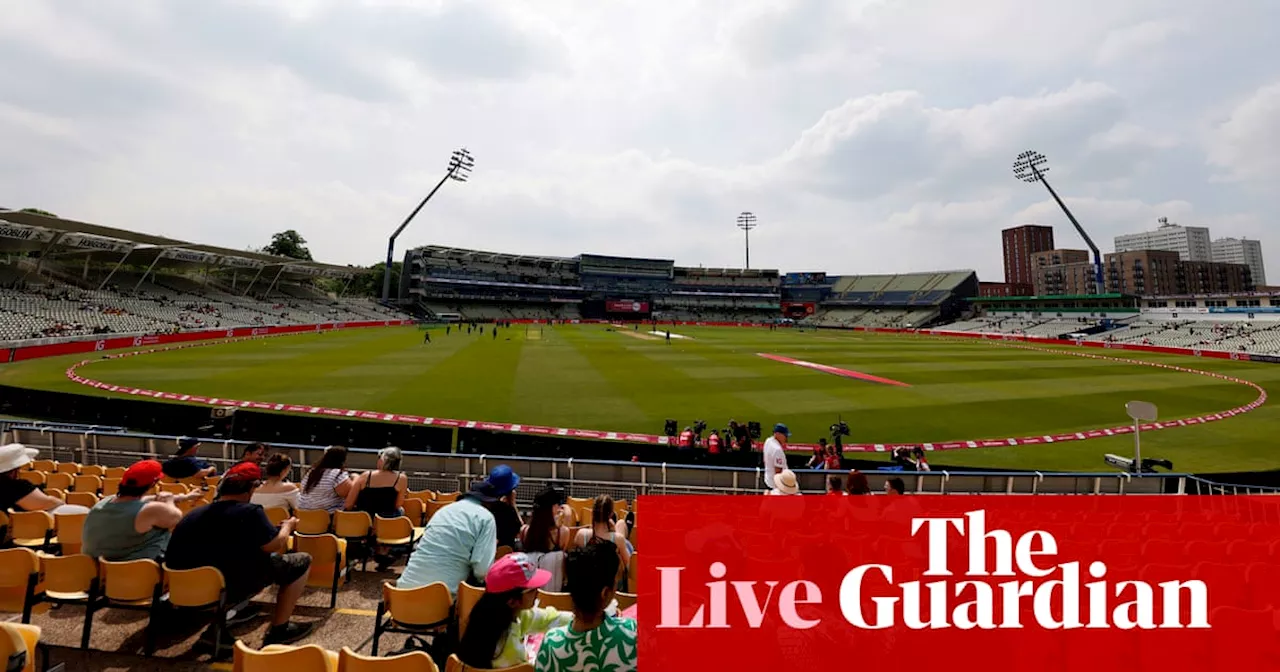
x=379 y=501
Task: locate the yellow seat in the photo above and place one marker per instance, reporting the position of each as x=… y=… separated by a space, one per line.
x=68 y=529
x=424 y=495
x=468 y=595
x=277 y=515
x=85 y=499
x=70 y=468
x=415 y=510
x=312 y=521
x=193 y=482
x=114 y=472
x=47 y=466
x=561 y=601
x=396 y=532
x=625 y=600
x=36 y=478
x=110 y=485
x=94 y=470
x=175 y=488
x=432 y=507
x=446 y=497
x=87 y=483
x=56 y=493
x=356 y=528
x=134 y=585
x=32 y=529
x=21 y=642
x=310 y=658
x=414 y=661
x=211 y=482
x=455 y=664
x=424 y=610
x=200 y=589
x=328 y=562
x=502 y=550
x=60 y=480
x=633 y=572
x=70 y=579
x=20 y=582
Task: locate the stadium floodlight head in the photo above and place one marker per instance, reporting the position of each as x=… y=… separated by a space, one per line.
x=746 y=222
x=1030 y=166
x=460 y=165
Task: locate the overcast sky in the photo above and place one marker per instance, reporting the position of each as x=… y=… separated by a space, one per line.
x=867 y=136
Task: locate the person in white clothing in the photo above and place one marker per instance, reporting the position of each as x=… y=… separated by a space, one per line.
x=775 y=454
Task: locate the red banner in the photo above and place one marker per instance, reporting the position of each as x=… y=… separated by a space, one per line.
x=959 y=583
x=626 y=306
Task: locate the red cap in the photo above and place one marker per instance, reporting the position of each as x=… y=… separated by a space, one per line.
x=142 y=474
x=244 y=471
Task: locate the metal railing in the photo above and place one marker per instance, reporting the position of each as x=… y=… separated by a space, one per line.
x=111 y=446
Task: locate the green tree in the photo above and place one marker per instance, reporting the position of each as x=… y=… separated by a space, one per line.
x=38 y=211
x=289 y=244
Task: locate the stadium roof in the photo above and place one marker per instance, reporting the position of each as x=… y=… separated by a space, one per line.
x=440 y=250
x=57 y=237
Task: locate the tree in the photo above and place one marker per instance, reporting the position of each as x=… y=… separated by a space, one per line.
x=289 y=244
x=38 y=211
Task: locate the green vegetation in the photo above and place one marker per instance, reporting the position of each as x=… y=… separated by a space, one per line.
x=592 y=377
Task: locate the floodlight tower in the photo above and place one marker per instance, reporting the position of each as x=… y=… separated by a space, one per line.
x=1030 y=167
x=460 y=165
x=746 y=222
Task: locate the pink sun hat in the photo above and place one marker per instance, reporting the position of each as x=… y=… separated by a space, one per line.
x=514 y=571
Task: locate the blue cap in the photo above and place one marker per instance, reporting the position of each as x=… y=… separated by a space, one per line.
x=502 y=480
x=781 y=429
x=187 y=443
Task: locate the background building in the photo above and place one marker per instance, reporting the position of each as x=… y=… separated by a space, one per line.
x=1020 y=242
x=1241 y=251
x=1143 y=272
x=1004 y=289
x=1049 y=272
x=1212 y=277
x=1190 y=242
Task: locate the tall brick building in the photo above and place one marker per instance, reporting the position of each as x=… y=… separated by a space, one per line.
x=1020 y=242
x=1214 y=277
x=1142 y=272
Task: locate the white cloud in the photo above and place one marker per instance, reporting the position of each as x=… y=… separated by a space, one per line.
x=867 y=136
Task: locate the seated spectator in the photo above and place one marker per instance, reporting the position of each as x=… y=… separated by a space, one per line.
x=459 y=543
x=185 y=464
x=594 y=640
x=277 y=491
x=21 y=495
x=327 y=482
x=895 y=486
x=857 y=483
x=380 y=493
x=500 y=498
x=504 y=617
x=785 y=483
x=235 y=536
x=544 y=539
x=131 y=525
x=607 y=530
x=255 y=453
x=835 y=486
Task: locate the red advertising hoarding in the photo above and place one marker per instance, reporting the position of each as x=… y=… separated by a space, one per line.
x=626 y=306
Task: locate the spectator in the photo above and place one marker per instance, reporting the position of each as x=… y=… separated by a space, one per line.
x=606 y=530
x=460 y=541
x=786 y=484
x=857 y=483
x=835 y=486
x=185 y=464
x=235 y=536
x=831 y=460
x=326 y=485
x=500 y=499
x=775 y=454
x=21 y=495
x=917 y=457
x=504 y=617
x=255 y=453
x=545 y=539
x=380 y=493
x=895 y=486
x=819 y=455
x=130 y=525
x=277 y=491
x=594 y=640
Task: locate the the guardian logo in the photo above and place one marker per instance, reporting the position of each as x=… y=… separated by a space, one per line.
x=1040 y=591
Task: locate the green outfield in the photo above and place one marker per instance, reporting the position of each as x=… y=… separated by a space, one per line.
x=593 y=377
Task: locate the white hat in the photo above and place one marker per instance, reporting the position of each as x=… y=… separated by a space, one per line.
x=786 y=483
x=15 y=456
